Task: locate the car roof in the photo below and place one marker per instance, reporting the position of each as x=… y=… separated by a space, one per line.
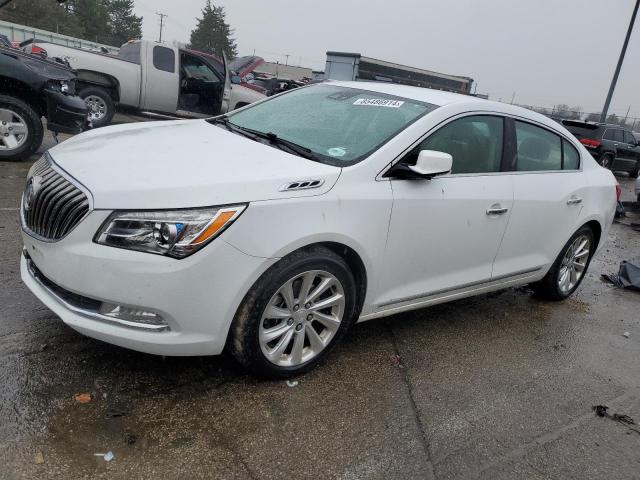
x=441 y=98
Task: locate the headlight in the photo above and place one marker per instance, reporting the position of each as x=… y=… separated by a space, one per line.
x=176 y=233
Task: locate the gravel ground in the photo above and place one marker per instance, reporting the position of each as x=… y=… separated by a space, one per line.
x=499 y=386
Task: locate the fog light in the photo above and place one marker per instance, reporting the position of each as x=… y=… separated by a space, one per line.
x=132 y=314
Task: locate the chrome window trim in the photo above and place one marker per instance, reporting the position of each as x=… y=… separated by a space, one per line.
x=573 y=141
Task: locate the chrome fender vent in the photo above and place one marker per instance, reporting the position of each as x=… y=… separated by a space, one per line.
x=301 y=185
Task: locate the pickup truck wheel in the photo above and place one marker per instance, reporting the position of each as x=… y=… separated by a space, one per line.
x=21 y=129
x=100 y=103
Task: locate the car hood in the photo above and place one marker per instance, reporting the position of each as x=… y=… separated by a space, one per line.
x=186 y=163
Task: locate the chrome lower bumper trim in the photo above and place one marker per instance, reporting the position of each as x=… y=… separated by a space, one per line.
x=89 y=313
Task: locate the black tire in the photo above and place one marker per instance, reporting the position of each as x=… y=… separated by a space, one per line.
x=35 y=130
x=548 y=287
x=606 y=161
x=105 y=96
x=243 y=340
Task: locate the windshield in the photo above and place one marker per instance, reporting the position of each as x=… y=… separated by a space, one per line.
x=339 y=125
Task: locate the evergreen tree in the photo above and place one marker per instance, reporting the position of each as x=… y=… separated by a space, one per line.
x=124 y=25
x=213 y=34
x=93 y=15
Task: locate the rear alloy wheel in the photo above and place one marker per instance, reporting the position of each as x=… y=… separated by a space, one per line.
x=294 y=314
x=570 y=267
x=606 y=161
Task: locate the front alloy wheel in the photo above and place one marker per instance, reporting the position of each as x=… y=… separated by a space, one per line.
x=294 y=314
x=301 y=318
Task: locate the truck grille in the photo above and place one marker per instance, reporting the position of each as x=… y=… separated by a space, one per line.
x=51 y=205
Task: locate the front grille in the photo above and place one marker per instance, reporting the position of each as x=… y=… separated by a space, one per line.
x=51 y=205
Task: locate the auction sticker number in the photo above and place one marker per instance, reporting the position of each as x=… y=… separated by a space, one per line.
x=379 y=102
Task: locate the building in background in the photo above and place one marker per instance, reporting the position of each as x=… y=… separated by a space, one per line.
x=287 y=72
x=354 y=66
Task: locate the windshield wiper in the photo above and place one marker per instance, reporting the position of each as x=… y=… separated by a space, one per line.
x=232 y=127
x=270 y=136
x=287 y=144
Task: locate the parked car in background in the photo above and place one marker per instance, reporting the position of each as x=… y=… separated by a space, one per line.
x=272 y=229
x=5 y=42
x=273 y=85
x=244 y=68
x=32 y=88
x=612 y=146
x=155 y=78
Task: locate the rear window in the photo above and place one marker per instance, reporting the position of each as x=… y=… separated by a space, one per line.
x=164 y=59
x=130 y=52
x=613 y=134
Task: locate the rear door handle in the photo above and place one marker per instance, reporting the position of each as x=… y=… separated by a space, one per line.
x=574 y=201
x=497 y=210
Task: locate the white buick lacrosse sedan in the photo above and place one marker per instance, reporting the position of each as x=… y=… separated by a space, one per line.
x=270 y=230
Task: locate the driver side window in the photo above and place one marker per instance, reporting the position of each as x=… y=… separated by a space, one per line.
x=474 y=142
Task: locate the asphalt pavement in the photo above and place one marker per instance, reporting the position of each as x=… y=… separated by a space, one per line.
x=499 y=386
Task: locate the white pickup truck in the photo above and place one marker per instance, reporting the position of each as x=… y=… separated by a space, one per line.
x=152 y=78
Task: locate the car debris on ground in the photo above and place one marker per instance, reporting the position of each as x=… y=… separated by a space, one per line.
x=82 y=397
x=107 y=456
x=628 y=275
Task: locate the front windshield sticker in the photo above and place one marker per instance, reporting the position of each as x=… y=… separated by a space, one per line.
x=337 y=152
x=379 y=102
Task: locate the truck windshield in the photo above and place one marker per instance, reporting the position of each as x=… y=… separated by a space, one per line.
x=339 y=125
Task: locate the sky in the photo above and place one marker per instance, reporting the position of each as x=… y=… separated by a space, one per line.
x=546 y=52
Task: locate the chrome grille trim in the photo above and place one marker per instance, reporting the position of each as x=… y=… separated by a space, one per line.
x=52 y=204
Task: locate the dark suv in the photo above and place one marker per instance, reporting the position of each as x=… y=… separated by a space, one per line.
x=612 y=146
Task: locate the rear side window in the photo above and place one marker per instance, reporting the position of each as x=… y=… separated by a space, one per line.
x=538 y=149
x=164 y=59
x=613 y=134
x=475 y=143
x=130 y=52
x=571 y=156
x=629 y=138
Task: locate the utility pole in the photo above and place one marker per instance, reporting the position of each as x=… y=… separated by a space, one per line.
x=605 y=110
x=627 y=115
x=513 y=97
x=287 y=55
x=161 y=15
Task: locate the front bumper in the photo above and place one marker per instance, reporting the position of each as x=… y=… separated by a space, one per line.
x=197 y=296
x=66 y=113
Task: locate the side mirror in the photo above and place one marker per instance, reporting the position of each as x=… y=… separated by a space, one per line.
x=431 y=163
x=236 y=80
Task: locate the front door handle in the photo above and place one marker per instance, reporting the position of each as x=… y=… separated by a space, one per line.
x=497 y=210
x=574 y=201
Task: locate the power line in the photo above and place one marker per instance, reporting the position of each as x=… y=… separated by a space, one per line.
x=161 y=15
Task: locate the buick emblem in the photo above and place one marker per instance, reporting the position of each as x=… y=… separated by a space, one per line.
x=31 y=192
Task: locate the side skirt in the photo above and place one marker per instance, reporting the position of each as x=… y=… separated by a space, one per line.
x=447 y=295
